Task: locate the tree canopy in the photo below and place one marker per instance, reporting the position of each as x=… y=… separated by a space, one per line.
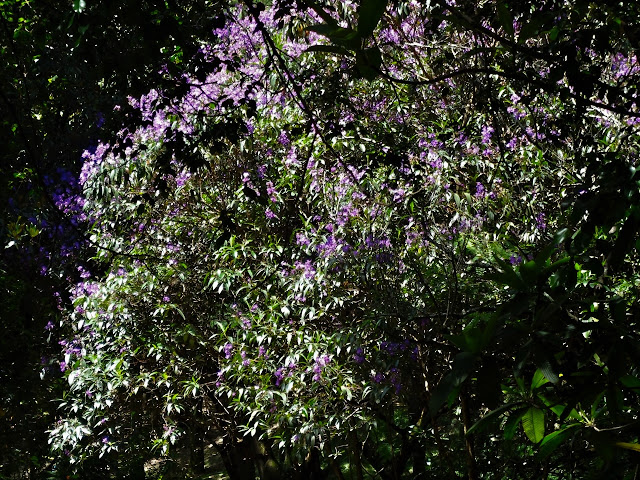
x=392 y=239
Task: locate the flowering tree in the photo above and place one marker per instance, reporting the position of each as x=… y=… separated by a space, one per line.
x=372 y=234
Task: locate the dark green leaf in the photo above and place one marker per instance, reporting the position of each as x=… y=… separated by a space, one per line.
x=547 y=370
x=369 y=14
x=79 y=6
x=490 y=417
x=630 y=381
x=345 y=37
x=552 y=441
x=463 y=365
x=506 y=18
x=511 y=426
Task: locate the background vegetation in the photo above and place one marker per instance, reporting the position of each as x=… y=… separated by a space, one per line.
x=378 y=239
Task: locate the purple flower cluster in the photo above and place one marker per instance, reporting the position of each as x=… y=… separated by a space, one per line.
x=318 y=366
x=306 y=268
x=358 y=357
x=282 y=372
x=395 y=348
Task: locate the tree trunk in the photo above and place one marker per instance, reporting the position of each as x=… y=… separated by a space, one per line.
x=468 y=439
x=356 y=452
x=237 y=457
x=268 y=467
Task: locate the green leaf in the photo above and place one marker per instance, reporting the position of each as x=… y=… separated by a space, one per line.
x=629 y=446
x=79 y=6
x=369 y=14
x=463 y=365
x=485 y=421
x=529 y=272
x=508 y=276
x=630 y=381
x=345 y=37
x=511 y=426
x=505 y=18
x=533 y=424
x=548 y=371
x=323 y=29
x=552 y=441
x=368 y=62
x=538 y=380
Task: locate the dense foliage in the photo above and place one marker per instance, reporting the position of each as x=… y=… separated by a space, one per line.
x=387 y=239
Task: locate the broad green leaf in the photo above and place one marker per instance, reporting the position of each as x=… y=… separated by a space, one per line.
x=538 y=380
x=79 y=6
x=533 y=424
x=630 y=381
x=552 y=441
x=369 y=14
x=511 y=426
x=368 y=62
x=629 y=446
x=548 y=372
x=463 y=365
x=345 y=37
x=505 y=17
x=485 y=421
x=508 y=276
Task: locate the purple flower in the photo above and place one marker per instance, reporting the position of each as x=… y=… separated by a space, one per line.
x=358 y=357
x=182 y=178
x=398 y=195
x=227 y=350
x=307 y=268
x=49 y=326
x=328 y=247
x=84 y=273
x=318 y=365
x=279 y=375
x=283 y=138
x=487 y=131
x=220 y=379
x=272 y=192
